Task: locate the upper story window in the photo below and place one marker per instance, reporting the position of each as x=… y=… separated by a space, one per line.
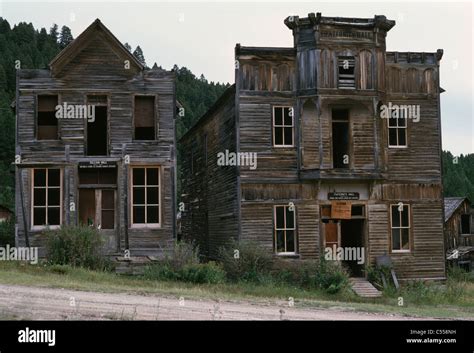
x=397 y=132
x=341 y=147
x=400 y=225
x=283 y=127
x=144 y=118
x=46 y=197
x=47 y=123
x=346 y=72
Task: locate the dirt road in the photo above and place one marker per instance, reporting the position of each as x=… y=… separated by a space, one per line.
x=36 y=303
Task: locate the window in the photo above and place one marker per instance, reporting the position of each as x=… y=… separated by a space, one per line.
x=283 y=123
x=46 y=197
x=146 y=196
x=465 y=224
x=400 y=224
x=346 y=70
x=144 y=118
x=46 y=118
x=340 y=138
x=397 y=132
x=285 y=230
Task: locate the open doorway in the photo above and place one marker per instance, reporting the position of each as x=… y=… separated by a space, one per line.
x=352 y=237
x=340 y=138
x=97 y=134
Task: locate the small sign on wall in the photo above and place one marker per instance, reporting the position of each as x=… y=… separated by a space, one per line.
x=343 y=195
x=341 y=209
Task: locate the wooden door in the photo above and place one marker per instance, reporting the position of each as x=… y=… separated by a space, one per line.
x=331 y=234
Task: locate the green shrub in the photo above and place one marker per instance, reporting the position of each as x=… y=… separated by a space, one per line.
x=331 y=277
x=182 y=254
x=210 y=273
x=7 y=232
x=78 y=246
x=245 y=261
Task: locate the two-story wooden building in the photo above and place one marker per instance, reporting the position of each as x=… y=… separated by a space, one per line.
x=95 y=144
x=344 y=143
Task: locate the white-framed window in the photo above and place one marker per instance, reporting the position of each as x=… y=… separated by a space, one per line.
x=397 y=132
x=285 y=229
x=145 y=196
x=283 y=126
x=400 y=227
x=46 y=198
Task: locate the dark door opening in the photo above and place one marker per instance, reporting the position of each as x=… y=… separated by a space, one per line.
x=97 y=134
x=352 y=236
x=340 y=138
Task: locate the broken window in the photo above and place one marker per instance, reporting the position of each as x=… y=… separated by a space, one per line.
x=144 y=118
x=397 y=132
x=97 y=130
x=46 y=117
x=340 y=138
x=285 y=230
x=283 y=124
x=400 y=225
x=146 y=196
x=46 y=198
x=465 y=224
x=346 y=72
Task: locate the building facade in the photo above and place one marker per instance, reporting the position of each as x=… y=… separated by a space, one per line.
x=95 y=144
x=332 y=143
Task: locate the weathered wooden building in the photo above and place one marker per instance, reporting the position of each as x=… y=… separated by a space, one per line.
x=95 y=144
x=347 y=144
x=458 y=231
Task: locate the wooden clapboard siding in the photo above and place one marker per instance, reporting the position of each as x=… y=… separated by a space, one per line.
x=306 y=78
x=209 y=191
x=95 y=65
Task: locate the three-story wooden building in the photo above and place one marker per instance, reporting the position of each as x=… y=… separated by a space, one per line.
x=347 y=141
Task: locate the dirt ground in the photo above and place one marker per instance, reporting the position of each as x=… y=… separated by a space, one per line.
x=36 y=303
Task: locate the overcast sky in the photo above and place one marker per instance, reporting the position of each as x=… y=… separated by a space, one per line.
x=202 y=37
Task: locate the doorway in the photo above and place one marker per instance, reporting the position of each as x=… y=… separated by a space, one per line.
x=352 y=241
x=97 y=134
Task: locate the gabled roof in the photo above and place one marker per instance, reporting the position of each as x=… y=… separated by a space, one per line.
x=74 y=48
x=451 y=204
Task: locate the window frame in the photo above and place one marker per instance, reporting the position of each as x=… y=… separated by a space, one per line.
x=396 y=128
x=145 y=225
x=401 y=227
x=275 y=231
x=34 y=227
x=283 y=126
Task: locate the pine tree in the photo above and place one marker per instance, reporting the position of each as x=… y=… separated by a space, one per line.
x=129 y=48
x=66 y=37
x=138 y=53
x=53 y=32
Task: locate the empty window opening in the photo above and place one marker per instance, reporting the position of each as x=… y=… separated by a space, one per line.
x=346 y=72
x=97 y=133
x=46 y=117
x=46 y=197
x=465 y=224
x=340 y=138
x=97 y=208
x=144 y=118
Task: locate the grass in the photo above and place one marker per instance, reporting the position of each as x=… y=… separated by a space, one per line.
x=436 y=304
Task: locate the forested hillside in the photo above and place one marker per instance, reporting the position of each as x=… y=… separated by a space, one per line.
x=458 y=175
